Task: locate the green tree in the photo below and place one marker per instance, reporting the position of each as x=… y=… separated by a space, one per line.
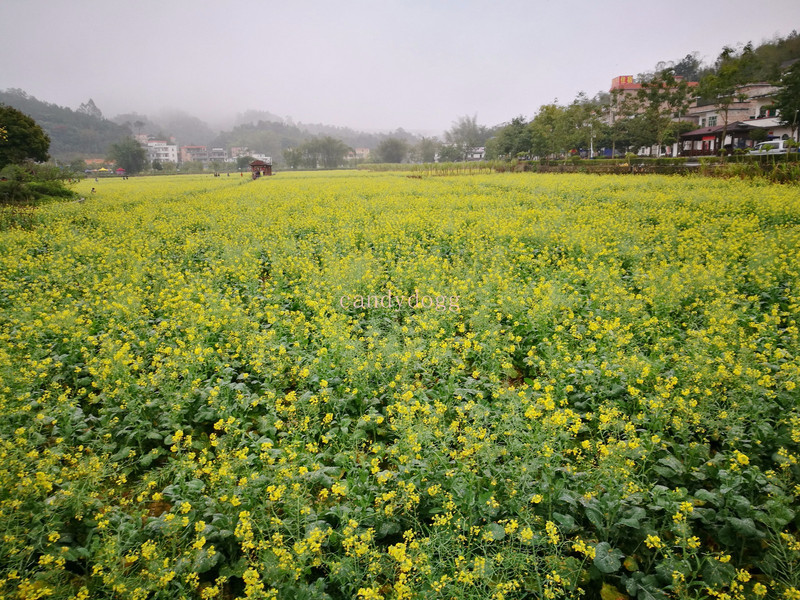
x=327 y=152
x=581 y=120
x=192 y=166
x=513 y=140
x=90 y=108
x=332 y=151
x=722 y=86
x=787 y=100
x=243 y=162
x=549 y=132
x=662 y=99
x=450 y=153
x=128 y=154
x=426 y=149
x=465 y=134
x=639 y=131
x=392 y=150
x=689 y=67
x=23 y=139
x=758 y=135
x=77 y=165
x=621 y=107
x=293 y=157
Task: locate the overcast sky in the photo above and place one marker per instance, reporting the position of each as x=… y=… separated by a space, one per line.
x=366 y=64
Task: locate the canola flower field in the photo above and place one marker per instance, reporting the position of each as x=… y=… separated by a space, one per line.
x=359 y=385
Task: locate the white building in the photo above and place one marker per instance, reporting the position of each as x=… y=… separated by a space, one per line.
x=161 y=151
x=478 y=153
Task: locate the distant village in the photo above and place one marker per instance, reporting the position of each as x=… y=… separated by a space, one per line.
x=751 y=110
x=168 y=151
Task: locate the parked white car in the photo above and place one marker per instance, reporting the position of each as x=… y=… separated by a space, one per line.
x=771 y=147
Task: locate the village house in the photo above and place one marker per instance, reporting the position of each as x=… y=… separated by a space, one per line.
x=194 y=153
x=752 y=110
x=161 y=151
x=752 y=101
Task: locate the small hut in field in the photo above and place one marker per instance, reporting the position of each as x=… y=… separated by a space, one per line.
x=260 y=167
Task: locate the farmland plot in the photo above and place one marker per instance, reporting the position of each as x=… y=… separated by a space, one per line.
x=368 y=385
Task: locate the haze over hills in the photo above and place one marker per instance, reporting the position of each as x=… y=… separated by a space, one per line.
x=87 y=132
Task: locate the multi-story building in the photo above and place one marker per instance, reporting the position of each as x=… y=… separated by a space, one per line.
x=238 y=151
x=161 y=151
x=217 y=154
x=194 y=153
x=751 y=101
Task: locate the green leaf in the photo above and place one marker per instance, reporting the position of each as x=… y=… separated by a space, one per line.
x=205 y=561
x=596 y=517
x=717 y=573
x=566 y=522
x=777 y=514
x=388 y=528
x=745 y=527
x=236 y=569
x=196 y=485
x=669 y=466
x=630 y=522
x=706 y=496
x=497 y=531
x=607 y=559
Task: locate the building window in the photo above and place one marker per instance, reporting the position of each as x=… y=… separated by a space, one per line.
x=703 y=122
x=712 y=121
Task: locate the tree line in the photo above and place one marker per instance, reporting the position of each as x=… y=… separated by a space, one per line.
x=652 y=115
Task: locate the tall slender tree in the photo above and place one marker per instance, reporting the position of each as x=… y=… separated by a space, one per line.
x=465 y=134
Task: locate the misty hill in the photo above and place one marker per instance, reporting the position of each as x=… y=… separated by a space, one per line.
x=251 y=116
x=86 y=132
x=187 y=129
x=73 y=133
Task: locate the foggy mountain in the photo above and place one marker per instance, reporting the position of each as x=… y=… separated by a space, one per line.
x=85 y=132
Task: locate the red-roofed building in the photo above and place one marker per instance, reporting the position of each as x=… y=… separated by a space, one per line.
x=260 y=167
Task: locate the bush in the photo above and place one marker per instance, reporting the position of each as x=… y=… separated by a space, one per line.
x=15 y=192
x=30 y=183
